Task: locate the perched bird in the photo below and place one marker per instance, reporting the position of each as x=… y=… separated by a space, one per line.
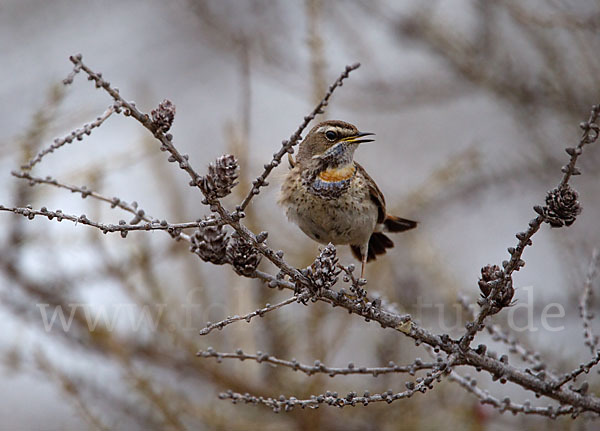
x=333 y=199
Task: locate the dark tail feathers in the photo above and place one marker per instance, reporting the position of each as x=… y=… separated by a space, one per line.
x=397 y=224
x=379 y=242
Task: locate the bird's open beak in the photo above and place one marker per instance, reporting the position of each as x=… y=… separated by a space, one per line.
x=355 y=139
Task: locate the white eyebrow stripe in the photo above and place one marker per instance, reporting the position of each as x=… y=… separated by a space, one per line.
x=337 y=129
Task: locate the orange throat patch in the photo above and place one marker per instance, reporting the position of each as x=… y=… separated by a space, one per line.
x=335 y=175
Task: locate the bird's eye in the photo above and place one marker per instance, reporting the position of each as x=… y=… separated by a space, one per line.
x=331 y=135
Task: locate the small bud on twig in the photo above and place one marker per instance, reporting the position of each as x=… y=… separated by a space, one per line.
x=323 y=273
x=210 y=243
x=243 y=256
x=490 y=274
x=562 y=206
x=221 y=176
x=163 y=116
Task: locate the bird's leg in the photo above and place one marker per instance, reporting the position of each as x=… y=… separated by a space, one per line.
x=364 y=253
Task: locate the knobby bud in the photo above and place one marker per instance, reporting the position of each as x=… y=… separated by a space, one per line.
x=505 y=290
x=210 y=243
x=243 y=256
x=163 y=116
x=221 y=177
x=562 y=206
x=489 y=273
x=323 y=273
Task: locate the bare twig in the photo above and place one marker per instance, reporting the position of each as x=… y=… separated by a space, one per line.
x=133 y=208
x=499 y=334
x=173 y=228
x=248 y=317
x=506 y=404
x=71 y=389
x=564 y=19
x=588 y=136
x=318 y=367
x=583 y=368
x=76 y=134
x=591 y=340
x=333 y=399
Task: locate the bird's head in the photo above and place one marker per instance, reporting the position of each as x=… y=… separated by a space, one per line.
x=332 y=142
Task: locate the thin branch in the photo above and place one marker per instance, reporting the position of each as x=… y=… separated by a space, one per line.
x=248 y=317
x=583 y=368
x=333 y=399
x=591 y=340
x=588 y=136
x=76 y=134
x=506 y=404
x=318 y=367
x=499 y=334
x=356 y=284
x=170 y=414
x=138 y=213
x=173 y=228
x=72 y=389
x=132 y=208
x=566 y=20
x=369 y=309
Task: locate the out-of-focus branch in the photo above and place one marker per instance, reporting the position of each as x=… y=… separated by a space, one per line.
x=565 y=19
x=314 y=10
x=318 y=367
x=467 y=57
x=71 y=389
x=591 y=340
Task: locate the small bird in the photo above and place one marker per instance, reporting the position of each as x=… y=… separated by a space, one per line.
x=333 y=199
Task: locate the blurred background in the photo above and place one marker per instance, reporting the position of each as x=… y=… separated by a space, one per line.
x=472 y=102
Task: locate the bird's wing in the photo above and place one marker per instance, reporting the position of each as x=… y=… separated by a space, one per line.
x=374 y=193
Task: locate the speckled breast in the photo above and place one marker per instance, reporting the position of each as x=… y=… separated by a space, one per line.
x=340 y=212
